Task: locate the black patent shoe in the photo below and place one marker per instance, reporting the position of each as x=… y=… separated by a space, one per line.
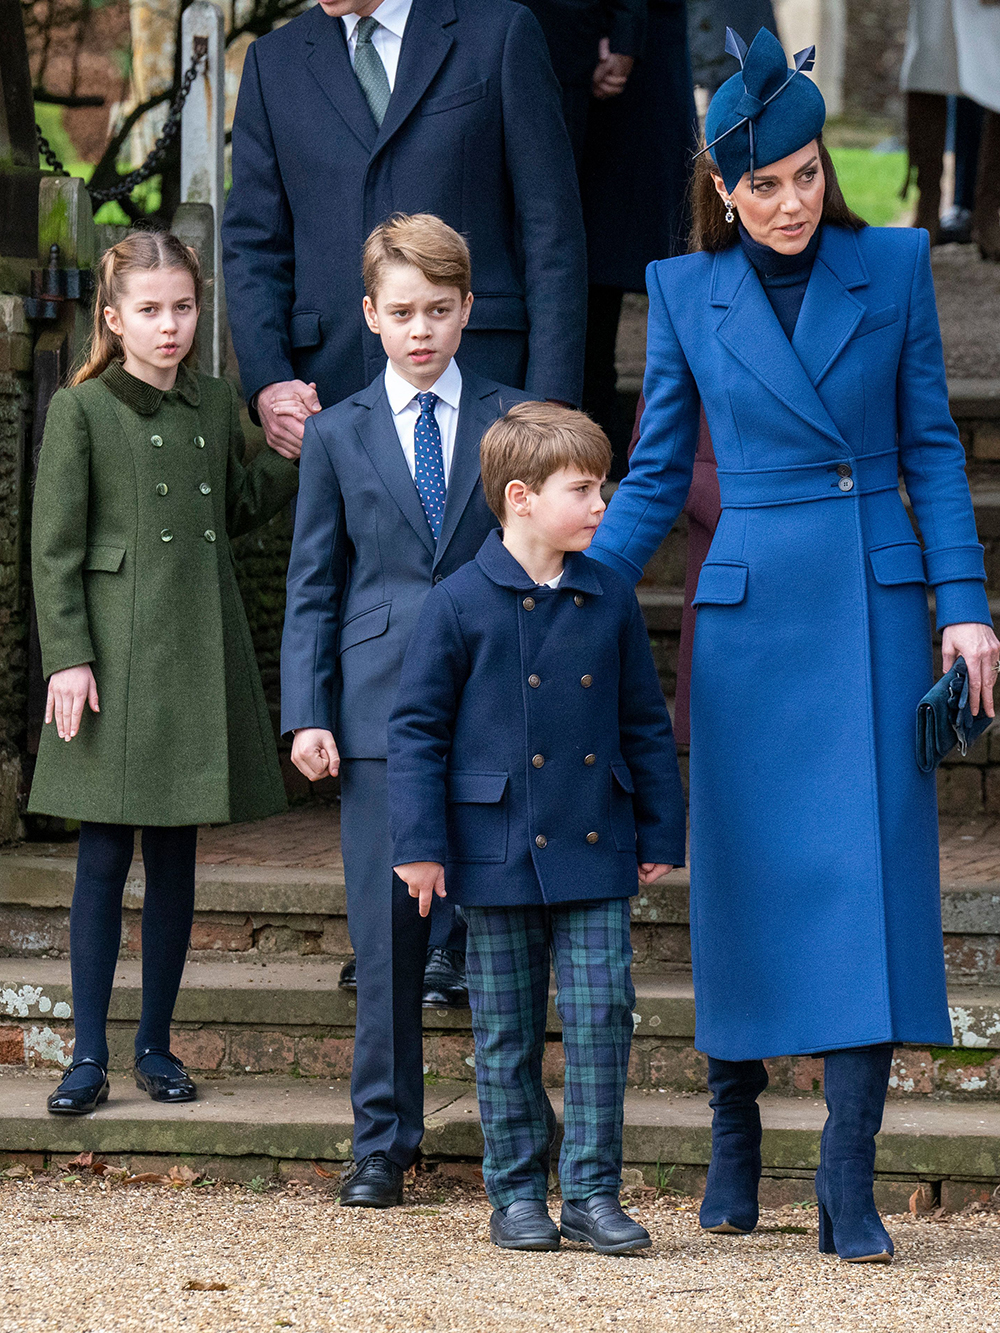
x=603 y=1223
x=349 y=975
x=376 y=1183
x=80 y=1101
x=524 y=1225
x=444 y=980
x=163 y=1087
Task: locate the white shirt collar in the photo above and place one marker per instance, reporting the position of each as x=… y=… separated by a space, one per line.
x=391 y=14
x=401 y=393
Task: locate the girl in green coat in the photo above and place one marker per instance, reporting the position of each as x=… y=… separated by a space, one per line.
x=140 y=485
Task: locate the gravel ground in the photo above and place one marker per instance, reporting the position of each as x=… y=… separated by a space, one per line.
x=95 y=1257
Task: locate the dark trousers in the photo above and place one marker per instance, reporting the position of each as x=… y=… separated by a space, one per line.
x=390 y=941
x=507 y=959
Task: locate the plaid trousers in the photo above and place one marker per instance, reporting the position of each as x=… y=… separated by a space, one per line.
x=507 y=967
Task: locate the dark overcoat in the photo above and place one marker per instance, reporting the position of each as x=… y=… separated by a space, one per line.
x=530 y=749
x=815 y=897
x=138 y=493
x=473 y=133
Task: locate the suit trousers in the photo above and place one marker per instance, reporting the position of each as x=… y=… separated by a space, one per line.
x=507 y=962
x=390 y=940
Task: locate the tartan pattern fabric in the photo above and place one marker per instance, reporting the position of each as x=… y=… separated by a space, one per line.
x=507 y=967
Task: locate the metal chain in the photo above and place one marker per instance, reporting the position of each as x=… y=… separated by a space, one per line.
x=151 y=166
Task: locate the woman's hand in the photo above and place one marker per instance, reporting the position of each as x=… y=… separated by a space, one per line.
x=69 y=690
x=981 y=650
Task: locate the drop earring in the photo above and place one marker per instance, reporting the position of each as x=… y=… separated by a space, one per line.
x=729 y=210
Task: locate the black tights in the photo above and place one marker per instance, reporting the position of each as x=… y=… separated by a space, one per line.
x=95 y=928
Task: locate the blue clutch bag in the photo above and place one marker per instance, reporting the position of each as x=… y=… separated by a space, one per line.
x=944 y=719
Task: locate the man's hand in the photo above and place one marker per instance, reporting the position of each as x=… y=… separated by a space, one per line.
x=649 y=872
x=611 y=73
x=283 y=409
x=69 y=690
x=315 y=753
x=423 y=879
x=978 y=645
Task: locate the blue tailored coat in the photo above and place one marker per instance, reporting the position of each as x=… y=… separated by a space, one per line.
x=364 y=558
x=815 y=897
x=530 y=749
x=473 y=133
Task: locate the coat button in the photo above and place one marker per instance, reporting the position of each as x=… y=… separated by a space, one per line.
x=162 y=488
x=529 y=604
x=439 y=578
x=199 y=442
x=846 y=484
x=156 y=441
x=592 y=838
x=541 y=840
x=205 y=488
x=578 y=598
x=844 y=470
x=534 y=681
x=166 y=535
x=209 y=535
x=590 y=758
x=538 y=760
x=586 y=681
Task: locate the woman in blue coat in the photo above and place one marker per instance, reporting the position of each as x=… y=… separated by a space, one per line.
x=812 y=341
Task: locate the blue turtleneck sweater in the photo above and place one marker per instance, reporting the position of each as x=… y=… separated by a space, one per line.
x=783 y=277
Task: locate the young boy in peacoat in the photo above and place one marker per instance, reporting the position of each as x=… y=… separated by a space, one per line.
x=532 y=775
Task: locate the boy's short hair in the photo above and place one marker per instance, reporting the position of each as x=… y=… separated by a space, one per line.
x=532 y=441
x=423 y=241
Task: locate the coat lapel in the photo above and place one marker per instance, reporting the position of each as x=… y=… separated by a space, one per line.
x=378 y=435
x=829 y=313
x=477 y=411
x=330 y=65
x=425 y=45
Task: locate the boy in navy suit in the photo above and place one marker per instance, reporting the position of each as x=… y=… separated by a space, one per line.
x=390 y=503
x=532 y=771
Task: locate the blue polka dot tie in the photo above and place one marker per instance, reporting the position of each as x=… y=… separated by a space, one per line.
x=428 y=472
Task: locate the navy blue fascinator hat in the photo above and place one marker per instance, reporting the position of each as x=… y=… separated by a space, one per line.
x=764 y=112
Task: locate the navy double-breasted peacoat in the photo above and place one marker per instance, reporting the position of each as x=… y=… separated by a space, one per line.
x=815 y=903
x=530 y=749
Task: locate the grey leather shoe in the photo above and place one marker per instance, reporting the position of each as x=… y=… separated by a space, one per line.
x=524 y=1225
x=602 y=1222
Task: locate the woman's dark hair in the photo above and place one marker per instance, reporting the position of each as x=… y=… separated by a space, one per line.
x=709 y=229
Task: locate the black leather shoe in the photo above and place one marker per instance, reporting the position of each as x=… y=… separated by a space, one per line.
x=524 y=1225
x=376 y=1183
x=444 y=980
x=349 y=975
x=163 y=1087
x=80 y=1101
x=603 y=1223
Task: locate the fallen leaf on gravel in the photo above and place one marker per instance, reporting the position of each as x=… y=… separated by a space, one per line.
x=148 y=1178
x=323 y=1173
x=183 y=1175
x=16 y=1172
x=85 y=1160
x=922 y=1200
x=196 y=1285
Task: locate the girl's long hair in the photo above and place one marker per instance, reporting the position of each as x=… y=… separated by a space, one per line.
x=710 y=231
x=138 y=252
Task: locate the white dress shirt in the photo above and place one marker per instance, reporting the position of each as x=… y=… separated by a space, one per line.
x=553 y=583
x=387 y=38
x=405 y=409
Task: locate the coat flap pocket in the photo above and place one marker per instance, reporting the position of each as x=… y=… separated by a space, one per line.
x=305 y=328
x=623 y=777
x=476 y=788
x=106 y=558
x=366 y=625
x=499 y=312
x=877 y=319
x=721 y=584
x=460 y=97
x=902 y=562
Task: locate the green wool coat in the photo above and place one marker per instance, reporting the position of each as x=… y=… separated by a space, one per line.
x=138 y=493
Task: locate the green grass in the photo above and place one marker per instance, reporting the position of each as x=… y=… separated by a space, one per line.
x=871 y=183
x=147 y=195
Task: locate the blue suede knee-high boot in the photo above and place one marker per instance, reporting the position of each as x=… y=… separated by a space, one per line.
x=730 y=1203
x=855 y=1083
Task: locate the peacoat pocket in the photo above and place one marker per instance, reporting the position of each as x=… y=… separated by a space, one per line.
x=106 y=559
x=721 y=584
x=900 y=562
x=621 y=812
x=477 y=817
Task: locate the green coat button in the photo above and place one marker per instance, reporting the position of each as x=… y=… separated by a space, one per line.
x=162 y=488
x=210 y=535
x=156 y=441
x=205 y=488
x=166 y=535
x=199 y=442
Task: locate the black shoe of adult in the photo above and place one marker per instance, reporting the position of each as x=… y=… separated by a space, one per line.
x=83 y=1100
x=376 y=1183
x=444 y=980
x=524 y=1225
x=602 y=1222
x=164 y=1087
x=349 y=975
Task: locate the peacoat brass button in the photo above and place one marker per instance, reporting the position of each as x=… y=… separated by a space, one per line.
x=210 y=535
x=846 y=484
x=592 y=838
x=199 y=442
x=534 y=681
x=541 y=840
x=529 y=604
x=166 y=535
x=844 y=470
x=156 y=441
x=205 y=488
x=162 y=488
x=586 y=681
x=590 y=758
x=578 y=598
x=538 y=760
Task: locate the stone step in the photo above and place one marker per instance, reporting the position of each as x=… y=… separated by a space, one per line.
x=268 y=1127
x=291 y=1017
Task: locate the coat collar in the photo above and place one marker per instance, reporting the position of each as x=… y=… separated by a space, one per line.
x=146 y=398
x=500 y=567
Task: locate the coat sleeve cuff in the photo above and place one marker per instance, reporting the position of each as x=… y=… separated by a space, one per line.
x=72 y=655
x=614 y=561
x=962 y=602
x=951 y=564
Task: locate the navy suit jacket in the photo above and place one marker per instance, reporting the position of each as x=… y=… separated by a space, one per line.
x=530 y=750
x=364 y=558
x=473 y=133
